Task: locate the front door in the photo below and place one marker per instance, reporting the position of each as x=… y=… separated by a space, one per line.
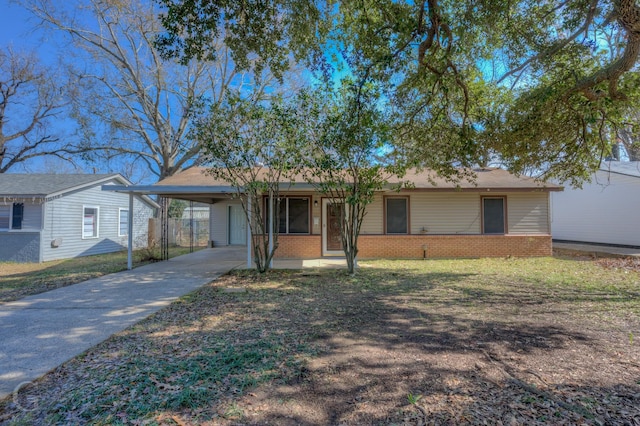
x=237 y=226
x=332 y=214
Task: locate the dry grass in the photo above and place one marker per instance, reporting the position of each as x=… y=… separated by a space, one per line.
x=503 y=341
x=18 y=280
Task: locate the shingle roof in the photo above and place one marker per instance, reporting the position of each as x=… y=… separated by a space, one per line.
x=41 y=185
x=488 y=178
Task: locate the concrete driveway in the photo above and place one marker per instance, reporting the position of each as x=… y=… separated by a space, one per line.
x=40 y=332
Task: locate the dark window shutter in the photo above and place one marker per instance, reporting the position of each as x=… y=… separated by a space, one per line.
x=18 y=213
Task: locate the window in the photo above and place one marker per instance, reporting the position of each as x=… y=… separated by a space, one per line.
x=297 y=216
x=11 y=216
x=5 y=216
x=90 y=222
x=293 y=215
x=396 y=215
x=18 y=214
x=123 y=222
x=493 y=215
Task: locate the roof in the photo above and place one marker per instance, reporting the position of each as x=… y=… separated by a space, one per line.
x=485 y=179
x=46 y=185
x=196 y=184
x=628 y=168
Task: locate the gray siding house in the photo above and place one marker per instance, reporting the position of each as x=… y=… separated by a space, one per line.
x=55 y=216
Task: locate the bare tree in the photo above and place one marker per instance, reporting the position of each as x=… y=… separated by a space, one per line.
x=254 y=149
x=30 y=102
x=127 y=99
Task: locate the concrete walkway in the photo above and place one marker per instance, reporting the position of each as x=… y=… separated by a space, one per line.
x=40 y=332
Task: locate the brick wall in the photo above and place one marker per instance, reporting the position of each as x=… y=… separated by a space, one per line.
x=411 y=246
x=299 y=247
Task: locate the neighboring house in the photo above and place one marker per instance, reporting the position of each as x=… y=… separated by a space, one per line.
x=56 y=216
x=605 y=210
x=497 y=215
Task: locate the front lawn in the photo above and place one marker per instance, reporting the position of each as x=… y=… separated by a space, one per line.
x=501 y=341
x=18 y=280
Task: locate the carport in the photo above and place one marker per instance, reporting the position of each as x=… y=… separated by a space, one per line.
x=208 y=194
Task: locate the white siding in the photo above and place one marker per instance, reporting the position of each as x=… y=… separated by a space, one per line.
x=434 y=213
x=373 y=219
x=445 y=213
x=437 y=213
x=32 y=219
x=528 y=213
x=141 y=214
x=220 y=222
x=603 y=211
x=31 y=215
x=63 y=222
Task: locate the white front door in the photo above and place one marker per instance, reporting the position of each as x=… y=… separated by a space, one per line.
x=237 y=226
x=332 y=214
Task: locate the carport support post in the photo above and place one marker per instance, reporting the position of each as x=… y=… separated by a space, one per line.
x=271 y=226
x=130 y=233
x=249 y=242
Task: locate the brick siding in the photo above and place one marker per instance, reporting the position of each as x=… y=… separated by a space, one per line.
x=411 y=246
x=299 y=247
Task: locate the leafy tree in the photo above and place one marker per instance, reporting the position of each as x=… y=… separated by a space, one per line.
x=346 y=135
x=30 y=104
x=128 y=101
x=250 y=146
x=259 y=33
x=176 y=208
x=434 y=59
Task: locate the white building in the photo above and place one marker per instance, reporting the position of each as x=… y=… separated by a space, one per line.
x=604 y=211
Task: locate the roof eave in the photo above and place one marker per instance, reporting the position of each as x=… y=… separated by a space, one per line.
x=481 y=189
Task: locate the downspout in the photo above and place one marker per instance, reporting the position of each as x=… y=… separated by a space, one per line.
x=130 y=233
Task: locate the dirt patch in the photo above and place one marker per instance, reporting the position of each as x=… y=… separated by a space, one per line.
x=625 y=263
x=511 y=342
x=515 y=362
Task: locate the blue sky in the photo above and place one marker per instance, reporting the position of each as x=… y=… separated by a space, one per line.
x=19 y=29
x=16 y=27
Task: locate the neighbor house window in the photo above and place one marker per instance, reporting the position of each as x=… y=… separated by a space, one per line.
x=293 y=215
x=90 y=222
x=5 y=216
x=123 y=222
x=493 y=215
x=17 y=215
x=11 y=216
x=396 y=215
